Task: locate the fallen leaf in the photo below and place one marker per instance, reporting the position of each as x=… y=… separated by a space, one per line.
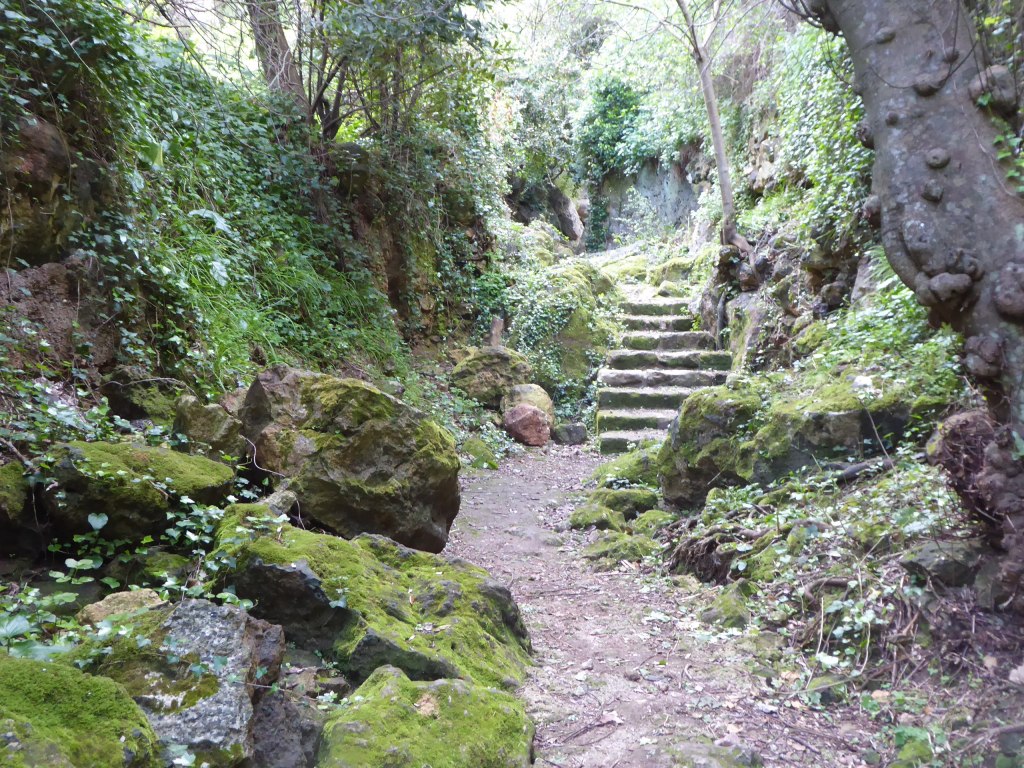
x=1017 y=675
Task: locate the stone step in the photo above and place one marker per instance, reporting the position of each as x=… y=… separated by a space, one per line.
x=660 y=377
x=658 y=322
x=634 y=419
x=632 y=359
x=643 y=397
x=668 y=340
x=620 y=441
x=656 y=307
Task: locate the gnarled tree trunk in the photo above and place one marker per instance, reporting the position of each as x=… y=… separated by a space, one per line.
x=952 y=224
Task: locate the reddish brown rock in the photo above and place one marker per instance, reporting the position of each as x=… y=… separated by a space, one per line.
x=528 y=424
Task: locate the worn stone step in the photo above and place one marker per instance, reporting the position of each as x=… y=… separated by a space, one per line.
x=634 y=418
x=658 y=322
x=660 y=377
x=622 y=440
x=656 y=307
x=625 y=359
x=668 y=340
x=643 y=397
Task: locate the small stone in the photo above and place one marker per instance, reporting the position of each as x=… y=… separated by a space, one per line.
x=926 y=87
x=588 y=664
x=528 y=425
x=569 y=434
x=118 y=604
x=885 y=35
x=892 y=118
x=937 y=158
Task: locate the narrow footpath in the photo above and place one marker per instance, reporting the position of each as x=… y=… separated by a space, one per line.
x=627 y=675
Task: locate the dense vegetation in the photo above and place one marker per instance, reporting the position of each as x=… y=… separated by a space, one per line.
x=193 y=195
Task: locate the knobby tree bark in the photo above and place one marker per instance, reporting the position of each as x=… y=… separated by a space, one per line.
x=952 y=225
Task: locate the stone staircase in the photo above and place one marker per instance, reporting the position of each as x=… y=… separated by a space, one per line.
x=661 y=363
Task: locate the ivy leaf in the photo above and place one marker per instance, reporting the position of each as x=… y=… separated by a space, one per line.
x=13 y=626
x=97 y=521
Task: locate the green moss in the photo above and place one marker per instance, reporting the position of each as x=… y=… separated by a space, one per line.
x=638 y=467
x=480 y=454
x=59 y=711
x=629 y=501
x=627 y=269
x=126 y=482
x=652 y=521
x=424 y=613
x=394 y=722
x=487 y=374
x=810 y=338
x=14 y=492
x=343 y=404
x=614 y=547
x=730 y=608
x=596 y=516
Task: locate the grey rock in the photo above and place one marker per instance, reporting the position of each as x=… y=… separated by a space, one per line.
x=209 y=425
x=952 y=563
x=569 y=434
x=286 y=731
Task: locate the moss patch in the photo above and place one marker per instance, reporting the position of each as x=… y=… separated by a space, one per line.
x=393 y=721
x=14 y=492
x=652 y=521
x=480 y=454
x=614 y=547
x=629 y=501
x=134 y=485
x=58 y=711
x=596 y=516
x=638 y=467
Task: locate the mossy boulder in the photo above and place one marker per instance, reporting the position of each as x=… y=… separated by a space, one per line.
x=195 y=669
x=637 y=467
x=596 y=516
x=726 y=436
x=629 y=268
x=134 y=486
x=359 y=461
x=563 y=330
x=613 y=547
x=368 y=602
x=674 y=270
x=52 y=714
x=480 y=454
x=394 y=721
x=530 y=394
x=629 y=501
x=209 y=427
x=652 y=521
x=488 y=374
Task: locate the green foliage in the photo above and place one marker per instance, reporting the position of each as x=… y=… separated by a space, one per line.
x=602 y=133
x=815 y=130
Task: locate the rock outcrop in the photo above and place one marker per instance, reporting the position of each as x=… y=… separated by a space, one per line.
x=359 y=461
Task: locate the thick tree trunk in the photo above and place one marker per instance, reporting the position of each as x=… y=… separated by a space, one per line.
x=952 y=224
x=275 y=55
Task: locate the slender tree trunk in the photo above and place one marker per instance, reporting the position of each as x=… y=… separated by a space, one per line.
x=275 y=55
x=698 y=48
x=952 y=224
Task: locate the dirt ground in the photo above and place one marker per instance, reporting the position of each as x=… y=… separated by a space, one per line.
x=626 y=673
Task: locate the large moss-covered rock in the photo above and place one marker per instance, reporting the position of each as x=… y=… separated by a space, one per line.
x=394 y=721
x=613 y=547
x=562 y=330
x=368 y=602
x=52 y=714
x=596 y=516
x=134 y=486
x=359 y=461
x=488 y=374
x=729 y=435
x=196 y=670
x=629 y=501
x=134 y=393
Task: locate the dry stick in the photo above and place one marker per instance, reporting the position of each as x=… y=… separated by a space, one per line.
x=15 y=452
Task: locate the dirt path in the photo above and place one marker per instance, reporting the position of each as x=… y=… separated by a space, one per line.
x=626 y=673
